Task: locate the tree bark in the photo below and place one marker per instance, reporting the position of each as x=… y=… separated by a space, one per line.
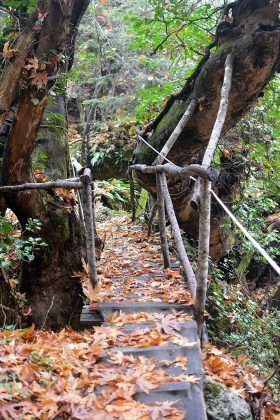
x=253 y=40
x=55 y=297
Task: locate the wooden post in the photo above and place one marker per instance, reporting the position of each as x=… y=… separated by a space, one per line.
x=179 y=128
x=162 y=224
x=151 y=219
x=85 y=178
x=205 y=199
x=177 y=236
x=132 y=194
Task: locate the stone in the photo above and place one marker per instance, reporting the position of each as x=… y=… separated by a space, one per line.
x=222 y=404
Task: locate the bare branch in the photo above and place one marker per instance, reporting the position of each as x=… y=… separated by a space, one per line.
x=173 y=170
x=205 y=198
x=177 y=236
x=162 y=224
x=70 y=184
x=89 y=225
x=174 y=136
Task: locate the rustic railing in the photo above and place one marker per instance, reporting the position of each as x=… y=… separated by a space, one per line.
x=201 y=198
x=84 y=184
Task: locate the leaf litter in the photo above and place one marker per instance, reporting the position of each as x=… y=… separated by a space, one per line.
x=74 y=374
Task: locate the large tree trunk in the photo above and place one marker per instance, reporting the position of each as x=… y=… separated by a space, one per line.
x=253 y=39
x=54 y=295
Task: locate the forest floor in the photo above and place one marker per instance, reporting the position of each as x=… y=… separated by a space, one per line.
x=56 y=375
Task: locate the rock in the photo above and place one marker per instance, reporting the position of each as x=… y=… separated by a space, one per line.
x=222 y=404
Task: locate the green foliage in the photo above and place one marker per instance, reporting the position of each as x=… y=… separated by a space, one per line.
x=176 y=31
x=239 y=323
x=13 y=248
x=113 y=193
x=16 y=4
x=150 y=100
x=252 y=212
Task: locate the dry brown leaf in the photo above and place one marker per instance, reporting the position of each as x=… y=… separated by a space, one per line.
x=8 y=52
x=33 y=64
x=38 y=79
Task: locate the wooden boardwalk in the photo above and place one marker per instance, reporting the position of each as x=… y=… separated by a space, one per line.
x=139 y=299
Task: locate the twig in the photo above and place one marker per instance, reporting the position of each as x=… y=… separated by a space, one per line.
x=47 y=313
x=258 y=414
x=6 y=308
x=4 y=275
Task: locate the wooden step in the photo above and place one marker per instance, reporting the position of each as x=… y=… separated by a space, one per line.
x=93 y=318
x=186 y=396
x=169 y=352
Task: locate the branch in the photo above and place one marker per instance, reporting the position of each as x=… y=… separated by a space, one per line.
x=175 y=171
x=71 y=183
x=220 y=120
x=174 y=136
x=13 y=70
x=258 y=414
x=177 y=236
x=186 y=89
x=205 y=193
x=162 y=223
x=217 y=129
x=85 y=179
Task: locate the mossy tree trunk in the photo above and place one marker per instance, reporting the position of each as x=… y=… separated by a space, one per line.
x=54 y=295
x=253 y=39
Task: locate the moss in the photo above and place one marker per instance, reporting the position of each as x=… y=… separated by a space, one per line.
x=213 y=389
x=225 y=49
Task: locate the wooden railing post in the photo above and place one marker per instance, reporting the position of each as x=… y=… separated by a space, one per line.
x=162 y=224
x=177 y=236
x=85 y=179
x=204 y=196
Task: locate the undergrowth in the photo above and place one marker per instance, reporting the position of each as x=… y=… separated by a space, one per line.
x=244 y=327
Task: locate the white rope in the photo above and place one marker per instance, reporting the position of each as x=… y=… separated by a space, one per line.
x=233 y=218
x=164 y=157
x=247 y=234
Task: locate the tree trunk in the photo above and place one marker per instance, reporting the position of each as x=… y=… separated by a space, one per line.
x=54 y=295
x=253 y=40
